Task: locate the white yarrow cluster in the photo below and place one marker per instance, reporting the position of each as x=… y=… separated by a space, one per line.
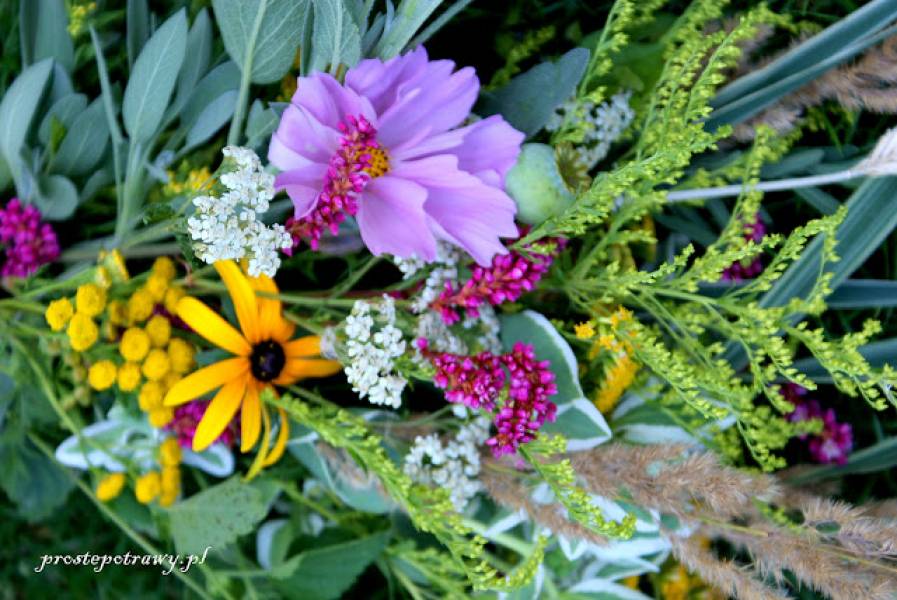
x=445 y=268
x=607 y=122
x=228 y=227
x=373 y=342
x=454 y=465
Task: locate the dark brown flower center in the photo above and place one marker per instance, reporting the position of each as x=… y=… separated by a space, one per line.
x=267 y=360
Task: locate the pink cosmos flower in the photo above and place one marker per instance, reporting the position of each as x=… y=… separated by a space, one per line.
x=388 y=148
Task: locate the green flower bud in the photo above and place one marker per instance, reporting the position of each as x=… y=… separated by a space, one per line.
x=536 y=185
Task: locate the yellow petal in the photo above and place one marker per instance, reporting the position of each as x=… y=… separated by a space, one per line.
x=207 y=323
x=205 y=380
x=219 y=413
x=250 y=419
x=299 y=368
x=281 y=444
x=304 y=347
x=245 y=304
x=269 y=308
x=259 y=461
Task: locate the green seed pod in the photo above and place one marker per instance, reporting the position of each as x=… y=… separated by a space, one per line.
x=536 y=185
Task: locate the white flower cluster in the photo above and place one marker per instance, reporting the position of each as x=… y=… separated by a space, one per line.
x=372 y=354
x=607 y=122
x=445 y=268
x=228 y=227
x=454 y=465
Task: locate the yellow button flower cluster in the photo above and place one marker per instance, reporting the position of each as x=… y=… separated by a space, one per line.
x=110 y=486
x=164 y=484
x=78 y=319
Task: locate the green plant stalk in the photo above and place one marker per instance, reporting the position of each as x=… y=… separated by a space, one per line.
x=236 y=125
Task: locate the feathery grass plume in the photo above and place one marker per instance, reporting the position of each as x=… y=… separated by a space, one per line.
x=867 y=84
x=857 y=529
x=542 y=455
x=672 y=479
x=430 y=509
x=508 y=490
x=724 y=575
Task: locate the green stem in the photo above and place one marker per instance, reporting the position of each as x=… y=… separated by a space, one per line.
x=502 y=539
x=236 y=125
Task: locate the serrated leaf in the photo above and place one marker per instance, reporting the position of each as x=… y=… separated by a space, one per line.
x=216 y=516
x=43 y=25
x=153 y=77
x=261 y=36
x=85 y=142
x=528 y=100
x=325 y=573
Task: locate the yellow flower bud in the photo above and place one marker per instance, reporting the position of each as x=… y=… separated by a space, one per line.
x=118 y=312
x=110 y=486
x=82 y=332
x=59 y=313
x=90 y=299
x=134 y=345
x=169 y=453
x=164 y=266
x=156 y=365
x=156 y=285
x=180 y=353
x=159 y=330
x=128 y=377
x=140 y=306
x=172 y=296
x=160 y=417
x=151 y=396
x=147 y=487
x=101 y=375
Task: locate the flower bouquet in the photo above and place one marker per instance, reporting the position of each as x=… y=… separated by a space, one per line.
x=306 y=299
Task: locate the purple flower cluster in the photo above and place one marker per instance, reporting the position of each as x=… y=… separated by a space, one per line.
x=478 y=382
x=739 y=271
x=348 y=172
x=29 y=242
x=505 y=280
x=834 y=443
x=186 y=419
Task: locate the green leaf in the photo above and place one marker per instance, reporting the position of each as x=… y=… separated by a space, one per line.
x=325 y=573
x=43 y=25
x=56 y=197
x=138 y=28
x=803 y=63
x=880 y=457
x=409 y=18
x=65 y=111
x=153 y=78
x=217 y=516
x=824 y=202
x=85 y=142
x=197 y=58
x=221 y=79
x=261 y=36
x=260 y=125
x=528 y=100
x=577 y=418
x=864 y=293
x=213 y=117
x=272 y=542
x=18 y=107
x=336 y=39
x=34 y=483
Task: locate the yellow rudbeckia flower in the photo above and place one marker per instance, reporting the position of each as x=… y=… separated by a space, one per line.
x=265 y=356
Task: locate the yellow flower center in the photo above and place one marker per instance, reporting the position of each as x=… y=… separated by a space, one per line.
x=379 y=162
x=267 y=360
